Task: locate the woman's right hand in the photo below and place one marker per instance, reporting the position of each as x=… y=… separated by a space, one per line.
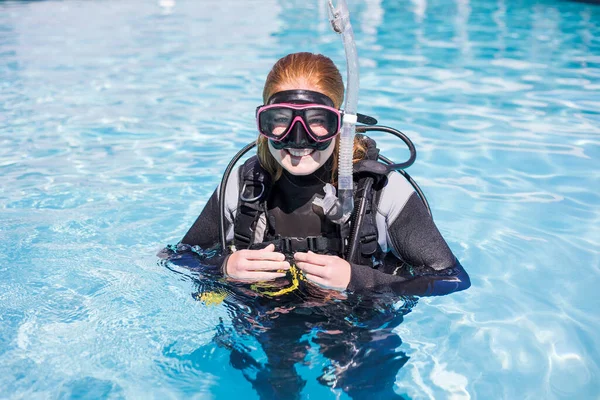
x=256 y=265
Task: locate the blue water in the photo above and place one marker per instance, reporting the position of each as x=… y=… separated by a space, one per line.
x=118 y=118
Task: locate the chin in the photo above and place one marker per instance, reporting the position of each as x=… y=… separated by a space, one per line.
x=300 y=170
x=303 y=166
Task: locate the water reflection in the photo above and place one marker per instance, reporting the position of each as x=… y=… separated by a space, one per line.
x=461 y=24
x=499 y=18
x=270 y=332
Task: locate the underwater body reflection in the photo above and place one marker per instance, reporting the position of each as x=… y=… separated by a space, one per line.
x=354 y=333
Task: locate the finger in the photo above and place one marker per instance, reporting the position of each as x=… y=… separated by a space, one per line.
x=313 y=258
x=270 y=247
x=312 y=269
x=264 y=255
x=266 y=265
x=263 y=276
x=318 y=280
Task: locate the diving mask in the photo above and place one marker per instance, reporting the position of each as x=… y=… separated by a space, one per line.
x=299 y=119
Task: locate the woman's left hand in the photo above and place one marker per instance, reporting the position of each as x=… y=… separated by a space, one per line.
x=329 y=271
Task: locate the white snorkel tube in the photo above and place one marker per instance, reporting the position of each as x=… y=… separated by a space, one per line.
x=339 y=209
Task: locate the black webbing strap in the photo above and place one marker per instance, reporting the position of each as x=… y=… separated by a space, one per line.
x=245 y=221
x=368 y=230
x=316 y=244
x=371 y=176
x=255 y=184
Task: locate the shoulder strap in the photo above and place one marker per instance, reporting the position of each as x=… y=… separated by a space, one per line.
x=255 y=185
x=363 y=239
x=370 y=176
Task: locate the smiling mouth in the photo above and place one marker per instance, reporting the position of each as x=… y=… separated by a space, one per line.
x=300 y=152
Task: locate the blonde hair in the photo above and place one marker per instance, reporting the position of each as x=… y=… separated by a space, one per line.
x=322 y=74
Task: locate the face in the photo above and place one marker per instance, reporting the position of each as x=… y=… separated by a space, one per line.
x=301 y=161
x=296 y=158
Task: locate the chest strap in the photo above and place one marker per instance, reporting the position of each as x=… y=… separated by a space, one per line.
x=316 y=244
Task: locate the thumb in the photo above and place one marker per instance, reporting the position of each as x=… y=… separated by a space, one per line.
x=270 y=247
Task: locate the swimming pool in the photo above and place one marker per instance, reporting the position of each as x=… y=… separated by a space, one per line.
x=117 y=119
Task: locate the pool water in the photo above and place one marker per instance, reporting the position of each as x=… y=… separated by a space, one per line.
x=118 y=118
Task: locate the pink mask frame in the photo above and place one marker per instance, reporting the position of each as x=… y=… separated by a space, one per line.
x=299 y=107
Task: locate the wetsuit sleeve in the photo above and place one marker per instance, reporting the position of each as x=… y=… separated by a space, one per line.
x=198 y=249
x=208 y=257
x=414 y=239
x=205 y=230
x=207 y=262
x=365 y=277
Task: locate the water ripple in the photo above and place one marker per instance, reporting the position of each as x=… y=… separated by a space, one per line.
x=114 y=131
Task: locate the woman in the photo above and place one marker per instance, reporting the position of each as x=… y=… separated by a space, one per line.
x=275 y=228
x=270 y=211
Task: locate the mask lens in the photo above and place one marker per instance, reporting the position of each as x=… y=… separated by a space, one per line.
x=322 y=122
x=274 y=122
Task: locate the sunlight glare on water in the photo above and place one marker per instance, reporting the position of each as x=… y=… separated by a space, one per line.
x=117 y=120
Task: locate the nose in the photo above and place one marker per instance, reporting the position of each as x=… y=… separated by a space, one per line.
x=298 y=136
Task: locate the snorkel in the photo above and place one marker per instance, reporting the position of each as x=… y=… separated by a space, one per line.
x=339 y=209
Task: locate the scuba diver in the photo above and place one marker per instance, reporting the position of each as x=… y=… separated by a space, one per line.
x=271 y=204
x=294 y=267
x=313 y=242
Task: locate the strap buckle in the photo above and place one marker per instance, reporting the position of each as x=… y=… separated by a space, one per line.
x=251 y=199
x=368 y=238
x=311 y=244
x=286 y=245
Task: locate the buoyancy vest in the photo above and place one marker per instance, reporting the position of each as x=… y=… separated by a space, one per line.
x=252 y=222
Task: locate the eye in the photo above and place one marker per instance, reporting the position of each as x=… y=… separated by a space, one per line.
x=316 y=117
x=317 y=121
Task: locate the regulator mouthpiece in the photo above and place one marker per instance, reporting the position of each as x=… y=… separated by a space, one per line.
x=331 y=205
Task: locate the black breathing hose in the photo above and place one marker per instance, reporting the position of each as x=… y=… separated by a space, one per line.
x=359 y=129
x=410 y=180
x=399 y=167
x=222 y=189
x=398 y=134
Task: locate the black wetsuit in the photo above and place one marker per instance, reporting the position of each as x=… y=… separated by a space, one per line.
x=356 y=336
x=417 y=259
